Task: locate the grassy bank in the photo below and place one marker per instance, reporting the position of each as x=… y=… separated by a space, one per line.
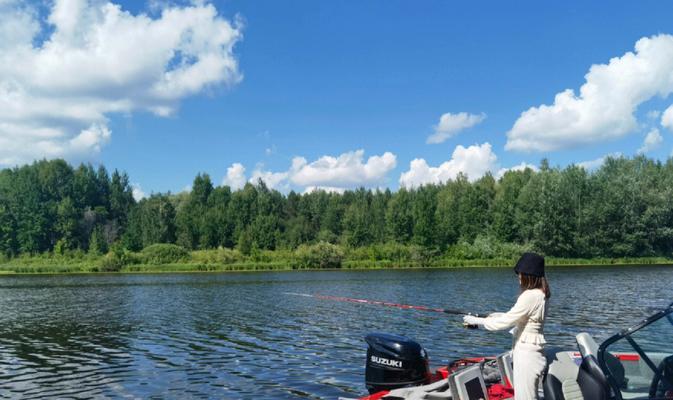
x=171 y=258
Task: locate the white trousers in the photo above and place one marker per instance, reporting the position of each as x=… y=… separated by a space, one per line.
x=529 y=365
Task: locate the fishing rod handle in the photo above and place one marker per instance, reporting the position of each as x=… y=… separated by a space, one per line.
x=459 y=312
x=473 y=326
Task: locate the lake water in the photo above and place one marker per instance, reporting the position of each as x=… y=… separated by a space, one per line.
x=237 y=336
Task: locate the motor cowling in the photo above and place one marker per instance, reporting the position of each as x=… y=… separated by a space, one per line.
x=394 y=362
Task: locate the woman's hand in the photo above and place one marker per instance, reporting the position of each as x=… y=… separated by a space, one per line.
x=471 y=320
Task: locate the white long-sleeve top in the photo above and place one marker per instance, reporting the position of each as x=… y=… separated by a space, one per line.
x=527 y=317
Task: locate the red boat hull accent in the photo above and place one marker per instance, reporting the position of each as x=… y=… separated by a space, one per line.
x=495 y=392
x=628 y=357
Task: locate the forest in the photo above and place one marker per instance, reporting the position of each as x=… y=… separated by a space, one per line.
x=622 y=209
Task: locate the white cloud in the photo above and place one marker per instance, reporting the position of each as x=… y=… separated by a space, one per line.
x=590 y=165
x=274 y=180
x=651 y=142
x=90 y=139
x=604 y=108
x=235 y=176
x=667 y=118
x=333 y=174
x=598 y=162
x=346 y=170
x=451 y=124
x=17 y=25
x=474 y=161
x=521 y=167
x=63 y=76
x=137 y=192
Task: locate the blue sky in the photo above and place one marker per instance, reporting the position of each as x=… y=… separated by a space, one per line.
x=318 y=79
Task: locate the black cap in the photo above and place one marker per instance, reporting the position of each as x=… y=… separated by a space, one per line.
x=530 y=264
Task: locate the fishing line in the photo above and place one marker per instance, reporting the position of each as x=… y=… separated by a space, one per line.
x=451 y=311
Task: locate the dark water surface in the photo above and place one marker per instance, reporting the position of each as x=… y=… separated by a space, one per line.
x=238 y=336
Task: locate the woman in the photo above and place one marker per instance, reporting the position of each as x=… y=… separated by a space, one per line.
x=527 y=317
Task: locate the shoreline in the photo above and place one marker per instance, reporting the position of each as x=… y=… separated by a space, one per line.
x=34 y=267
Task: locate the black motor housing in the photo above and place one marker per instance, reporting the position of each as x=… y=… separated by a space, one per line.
x=394 y=362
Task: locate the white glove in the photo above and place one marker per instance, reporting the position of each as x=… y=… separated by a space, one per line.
x=472 y=320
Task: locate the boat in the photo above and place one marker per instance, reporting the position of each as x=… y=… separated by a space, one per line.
x=635 y=363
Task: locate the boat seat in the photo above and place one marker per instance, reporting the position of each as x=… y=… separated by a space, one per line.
x=586 y=344
x=588 y=347
x=506 y=368
x=560 y=381
x=592 y=381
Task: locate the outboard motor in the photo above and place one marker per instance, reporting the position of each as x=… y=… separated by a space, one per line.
x=394 y=362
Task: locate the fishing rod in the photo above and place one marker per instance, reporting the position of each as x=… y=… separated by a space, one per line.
x=451 y=311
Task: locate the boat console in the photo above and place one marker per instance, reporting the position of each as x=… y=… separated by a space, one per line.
x=468 y=384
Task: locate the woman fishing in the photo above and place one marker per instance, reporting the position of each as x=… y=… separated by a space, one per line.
x=527 y=317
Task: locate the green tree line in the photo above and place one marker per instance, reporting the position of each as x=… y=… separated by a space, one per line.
x=622 y=209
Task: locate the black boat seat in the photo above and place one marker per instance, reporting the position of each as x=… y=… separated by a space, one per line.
x=592 y=381
x=587 y=345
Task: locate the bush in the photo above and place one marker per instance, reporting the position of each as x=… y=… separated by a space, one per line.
x=485 y=247
x=358 y=253
x=388 y=251
x=422 y=256
x=116 y=259
x=218 y=256
x=399 y=254
x=320 y=255
x=111 y=263
x=163 y=253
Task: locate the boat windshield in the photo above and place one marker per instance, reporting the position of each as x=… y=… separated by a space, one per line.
x=639 y=361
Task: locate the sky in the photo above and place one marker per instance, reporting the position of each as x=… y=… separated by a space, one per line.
x=332 y=95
